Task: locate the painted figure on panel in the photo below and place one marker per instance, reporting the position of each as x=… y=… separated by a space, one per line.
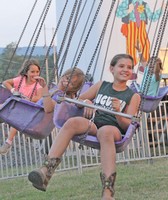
x=135 y=15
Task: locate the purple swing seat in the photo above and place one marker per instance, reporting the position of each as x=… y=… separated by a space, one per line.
x=27 y=117
x=65 y=110
x=4 y=94
x=150 y=103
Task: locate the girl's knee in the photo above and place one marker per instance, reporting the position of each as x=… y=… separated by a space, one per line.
x=73 y=123
x=108 y=134
x=70 y=122
x=105 y=136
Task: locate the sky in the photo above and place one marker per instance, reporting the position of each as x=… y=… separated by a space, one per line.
x=13 y=17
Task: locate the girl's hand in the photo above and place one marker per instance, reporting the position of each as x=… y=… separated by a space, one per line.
x=41 y=81
x=116 y=104
x=25 y=97
x=19 y=94
x=88 y=112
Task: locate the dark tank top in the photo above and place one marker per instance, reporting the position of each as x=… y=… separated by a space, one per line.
x=104 y=98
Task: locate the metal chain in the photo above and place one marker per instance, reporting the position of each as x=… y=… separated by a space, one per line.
x=66 y=31
x=45 y=14
x=71 y=35
x=41 y=25
x=87 y=36
x=85 y=41
x=101 y=36
x=82 y=137
x=154 y=56
x=84 y=27
x=20 y=83
x=35 y=30
x=99 y=41
x=25 y=26
x=52 y=41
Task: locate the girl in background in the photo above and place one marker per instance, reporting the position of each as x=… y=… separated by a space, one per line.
x=27 y=85
x=153 y=79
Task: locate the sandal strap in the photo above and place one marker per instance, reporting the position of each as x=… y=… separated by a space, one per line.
x=51 y=164
x=108 y=182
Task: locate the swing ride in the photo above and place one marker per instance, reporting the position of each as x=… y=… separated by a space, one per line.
x=39 y=124
x=66 y=110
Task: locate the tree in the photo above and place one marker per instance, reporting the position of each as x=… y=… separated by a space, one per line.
x=10 y=62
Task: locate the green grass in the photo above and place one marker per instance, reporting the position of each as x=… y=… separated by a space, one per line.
x=135 y=181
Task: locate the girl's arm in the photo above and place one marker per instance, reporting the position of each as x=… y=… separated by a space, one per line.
x=91 y=93
x=158 y=69
x=8 y=84
x=48 y=102
x=88 y=97
x=131 y=109
x=38 y=95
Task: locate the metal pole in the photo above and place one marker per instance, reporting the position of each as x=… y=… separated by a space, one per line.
x=81 y=103
x=54 y=58
x=46 y=62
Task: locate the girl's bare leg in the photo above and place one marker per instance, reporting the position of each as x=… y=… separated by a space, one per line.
x=4 y=149
x=12 y=133
x=74 y=126
x=107 y=136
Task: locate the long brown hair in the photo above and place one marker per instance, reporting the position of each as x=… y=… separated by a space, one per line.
x=26 y=66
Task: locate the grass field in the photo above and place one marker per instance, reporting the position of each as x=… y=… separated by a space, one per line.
x=135 y=181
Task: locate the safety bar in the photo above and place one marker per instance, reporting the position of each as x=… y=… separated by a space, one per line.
x=84 y=104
